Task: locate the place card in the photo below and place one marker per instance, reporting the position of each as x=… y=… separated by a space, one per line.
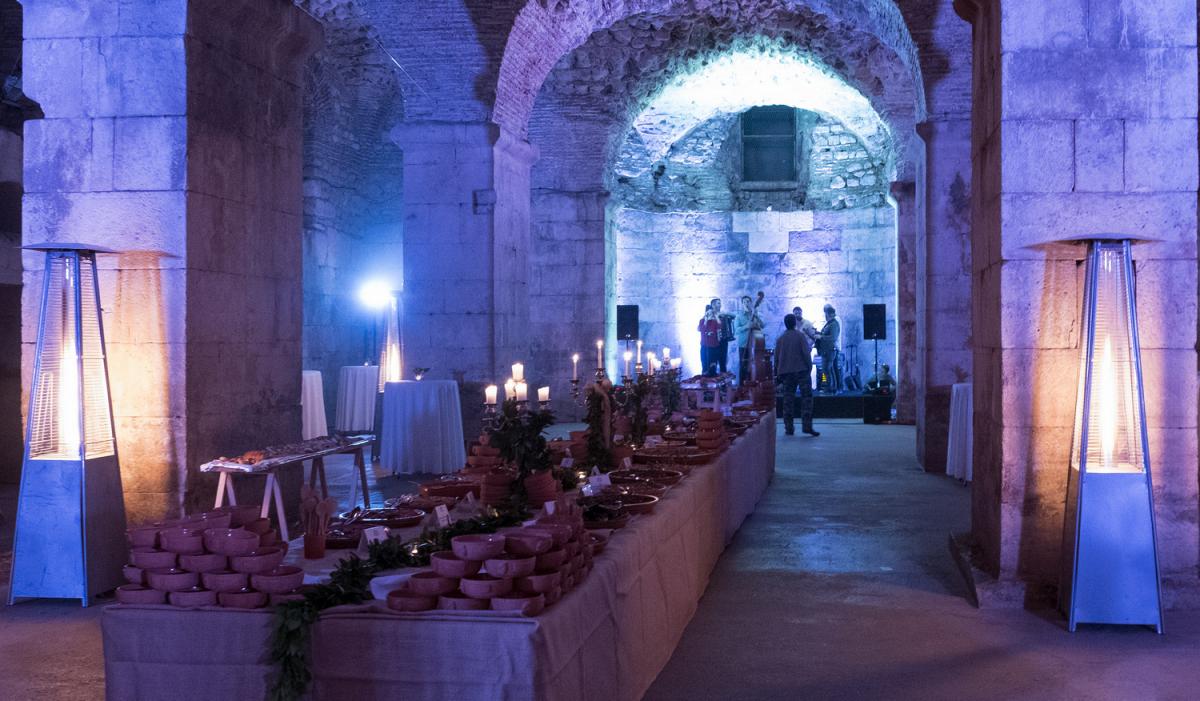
x=375 y=534
x=653 y=440
x=549 y=507
x=627 y=463
x=470 y=499
x=599 y=481
x=567 y=462
x=443 y=515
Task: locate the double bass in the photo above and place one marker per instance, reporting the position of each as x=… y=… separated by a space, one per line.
x=758 y=341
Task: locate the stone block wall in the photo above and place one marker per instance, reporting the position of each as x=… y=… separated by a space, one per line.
x=1059 y=157
x=672 y=264
x=11 y=147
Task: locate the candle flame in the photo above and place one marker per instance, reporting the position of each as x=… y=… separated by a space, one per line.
x=1107 y=405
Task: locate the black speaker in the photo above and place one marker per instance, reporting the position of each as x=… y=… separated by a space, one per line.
x=875 y=321
x=627 y=322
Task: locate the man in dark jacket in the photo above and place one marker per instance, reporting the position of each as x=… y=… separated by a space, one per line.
x=793 y=368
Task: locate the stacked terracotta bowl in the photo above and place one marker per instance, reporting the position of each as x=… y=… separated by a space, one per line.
x=483 y=458
x=710 y=431
x=522 y=570
x=229 y=557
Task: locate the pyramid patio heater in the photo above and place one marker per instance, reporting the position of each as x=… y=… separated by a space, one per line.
x=390 y=356
x=1110 y=558
x=70 y=528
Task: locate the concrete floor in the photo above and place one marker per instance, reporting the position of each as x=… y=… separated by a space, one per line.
x=840 y=586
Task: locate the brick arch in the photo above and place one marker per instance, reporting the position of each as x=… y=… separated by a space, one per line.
x=547 y=30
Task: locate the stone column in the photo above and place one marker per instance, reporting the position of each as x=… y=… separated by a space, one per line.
x=944 y=282
x=172 y=134
x=904 y=199
x=1096 y=133
x=466 y=248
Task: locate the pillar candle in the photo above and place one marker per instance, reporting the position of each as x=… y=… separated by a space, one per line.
x=639 y=353
x=522 y=391
x=518 y=372
x=628 y=357
x=650 y=363
x=489 y=394
x=676 y=362
x=666 y=354
x=574 y=366
x=510 y=389
x=600 y=354
x=543 y=394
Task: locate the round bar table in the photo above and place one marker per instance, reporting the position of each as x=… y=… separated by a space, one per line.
x=312 y=405
x=422 y=427
x=358 y=386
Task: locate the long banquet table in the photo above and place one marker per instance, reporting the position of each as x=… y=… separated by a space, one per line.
x=606 y=640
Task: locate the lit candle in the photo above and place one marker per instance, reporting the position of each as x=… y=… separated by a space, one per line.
x=510 y=389
x=639 y=353
x=543 y=394
x=518 y=371
x=600 y=354
x=522 y=391
x=489 y=394
x=628 y=357
x=650 y=363
x=574 y=366
x=666 y=354
x=676 y=362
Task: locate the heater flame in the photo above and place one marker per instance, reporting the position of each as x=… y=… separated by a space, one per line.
x=68 y=402
x=1107 y=405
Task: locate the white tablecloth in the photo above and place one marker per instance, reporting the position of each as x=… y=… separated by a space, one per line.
x=358 y=386
x=422 y=428
x=312 y=405
x=959 y=445
x=605 y=641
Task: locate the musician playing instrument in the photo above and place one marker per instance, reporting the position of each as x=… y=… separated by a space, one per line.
x=720 y=354
x=748 y=329
x=828 y=347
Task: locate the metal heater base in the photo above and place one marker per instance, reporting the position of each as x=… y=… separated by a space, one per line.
x=1114 y=577
x=70 y=530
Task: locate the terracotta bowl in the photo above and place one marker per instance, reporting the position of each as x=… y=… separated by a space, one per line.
x=230 y=541
x=526 y=604
x=242 y=599
x=551 y=560
x=193 y=597
x=486 y=451
x=539 y=582
x=173 y=579
x=458 y=602
x=599 y=541
x=257 y=561
x=568 y=583
x=430 y=583
x=477 y=547
x=482 y=586
x=224 y=581
x=575 y=524
x=573 y=548
x=216 y=519
x=137 y=594
x=134 y=574
x=525 y=542
x=400 y=600
x=560 y=532
x=143 y=537
x=240 y=514
x=280 y=580
x=258 y=526
x=270 y=539
x=447 y=564
x=182 y=541
x=149 y=559
x=207 y=562
x=554 y=595
x=509 y=566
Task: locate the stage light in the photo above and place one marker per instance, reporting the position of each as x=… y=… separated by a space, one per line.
x=375 y=294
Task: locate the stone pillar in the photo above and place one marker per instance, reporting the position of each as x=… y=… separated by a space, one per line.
x=904 y=199
x=1096 y=133
x=172 y=134
x=944 y=282
x=466 y=248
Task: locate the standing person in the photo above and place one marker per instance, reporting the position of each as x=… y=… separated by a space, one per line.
x=828 y=342
x=746 y=327
x=804 y=325
x=793 y=368
x=721 y=353
x=710 y=331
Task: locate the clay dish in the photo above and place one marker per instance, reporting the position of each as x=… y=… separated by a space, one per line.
x=230 y=541
x=216 y=519
x=447 y=564
x=172 y=579
x=477 y=547
x=561 y=532
x=280 y=580
x=430 y=583
x=508 y=566
x=458 y=602
x=143 y=537
x=525 y=542
x=207 y=562
x=137 y=594
x=539 y=582
x=258 y=526
x=400 y=600
x=149 y=559
x=193 y=597
x=242 y=599
x=482 y=586
x=239 y=514
x=182 y=541
x=551 y=560
x=257 y=561
x=527 y=604
x=224 y=581
x=134 y=574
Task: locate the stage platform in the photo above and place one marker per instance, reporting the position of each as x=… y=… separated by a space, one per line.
x=847 y=405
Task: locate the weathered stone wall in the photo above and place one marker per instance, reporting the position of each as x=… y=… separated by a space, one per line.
x=11 y=440
x=353 y=185
x=671 y=264
x=1065 y=157
x=151 y=148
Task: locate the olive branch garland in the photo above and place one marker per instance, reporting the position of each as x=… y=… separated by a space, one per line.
x=350 y=584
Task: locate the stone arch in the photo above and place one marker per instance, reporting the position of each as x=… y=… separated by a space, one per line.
x=546 y=30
